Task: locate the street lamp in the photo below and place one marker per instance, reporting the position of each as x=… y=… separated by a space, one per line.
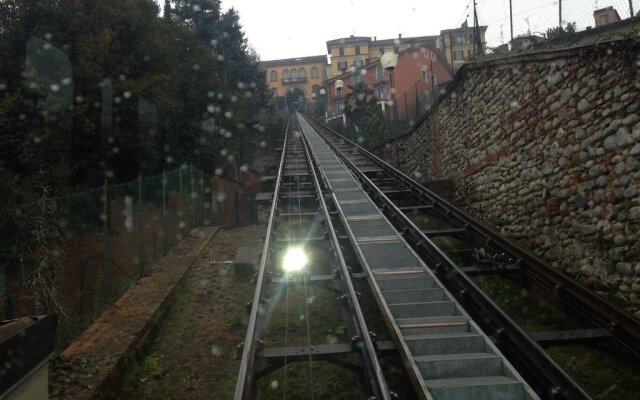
x=389 y=60
x=322 y=93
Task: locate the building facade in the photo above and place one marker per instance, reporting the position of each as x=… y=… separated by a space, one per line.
x=357 y=51
x=418 y=75
x=457 y=45
x=606 y=16
x=303 y=75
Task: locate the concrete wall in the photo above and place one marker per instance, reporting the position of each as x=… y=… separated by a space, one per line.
x=546 y=148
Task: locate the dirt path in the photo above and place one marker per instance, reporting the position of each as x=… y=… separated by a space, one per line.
x=192 y=355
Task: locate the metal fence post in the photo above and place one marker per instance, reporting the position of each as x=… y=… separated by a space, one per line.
x=141 y=260
x=192 y=197
x=202 y=177
x=105 y=247
x=182 y=222
x=164 y=213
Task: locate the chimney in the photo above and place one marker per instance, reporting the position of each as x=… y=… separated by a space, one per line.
x=352 y=36
x=375 y=38
x=399 y=35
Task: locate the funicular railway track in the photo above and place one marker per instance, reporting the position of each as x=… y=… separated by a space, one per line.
x=445 y=353
x=593 y=320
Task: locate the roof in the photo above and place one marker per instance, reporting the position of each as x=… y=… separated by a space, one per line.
x=297 y=60
x=483 y=28
x=381 y=42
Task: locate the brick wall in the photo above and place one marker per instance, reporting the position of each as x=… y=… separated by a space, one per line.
x=546 y=148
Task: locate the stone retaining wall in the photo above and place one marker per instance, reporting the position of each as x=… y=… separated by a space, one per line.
x=546 y=148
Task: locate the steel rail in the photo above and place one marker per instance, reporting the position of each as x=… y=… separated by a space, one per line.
x=377 y=380
x=245 y=383
x=622 y=326
x=547 y=378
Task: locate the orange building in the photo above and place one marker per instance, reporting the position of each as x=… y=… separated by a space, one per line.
x=416 y=79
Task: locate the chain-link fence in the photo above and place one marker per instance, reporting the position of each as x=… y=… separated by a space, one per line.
x=522 y=25
x=78 y=254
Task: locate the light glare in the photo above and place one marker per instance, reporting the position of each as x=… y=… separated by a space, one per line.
x=294 y=260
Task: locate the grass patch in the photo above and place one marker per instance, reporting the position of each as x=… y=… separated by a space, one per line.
x=527 y=311
x=604 y=375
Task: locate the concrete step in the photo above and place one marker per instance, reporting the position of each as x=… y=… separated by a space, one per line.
x=426 y=309
x=433 y=325
x=447 y=366
x=476 y=388
x=448 y=343
x=405 y=283
x=414 y=295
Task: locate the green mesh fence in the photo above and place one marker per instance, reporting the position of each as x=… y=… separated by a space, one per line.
x=78 y=254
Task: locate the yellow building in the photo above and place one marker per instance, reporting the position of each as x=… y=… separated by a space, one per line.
x=457 y=45
x=296 y=77
x=356 y=51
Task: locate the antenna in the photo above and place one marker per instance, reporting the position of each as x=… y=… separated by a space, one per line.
x=501 y=34
x=528 y=26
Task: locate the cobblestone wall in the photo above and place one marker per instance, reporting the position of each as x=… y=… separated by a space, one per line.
x=546 y=148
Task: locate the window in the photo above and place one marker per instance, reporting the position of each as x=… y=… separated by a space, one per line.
x=604 y=19
x=342 y=66
x=426 y=96
x=358 y=63
x=433 y=56
x=458 y=55
x=302 y=74
x=379 y=73
x=357 y=79
x=381 y=92
x=285 y=75
x=341 y=51
x=425 y=75
x=396 y=49
x=339 y=91
x=381 y=52
x=458 y=39
x=314 y=72
x=274 y=76
x=294 y=74
x=357 y=50
x=435 y=79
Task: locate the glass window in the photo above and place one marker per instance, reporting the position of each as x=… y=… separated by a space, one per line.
x=341 y=51
x=381 y=52
x=358 y=63
x=314 y=72
x=357 y=78
x=358 y=50
x=425 y=75
x=342 y=66
x=458 y=55
x=458 y=39
x=294 y=74
x=379 y=73
x=285 y=75
x=302 y=73
x=381 y=92
x=274 y=76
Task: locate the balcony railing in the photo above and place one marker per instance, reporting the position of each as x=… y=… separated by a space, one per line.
x=294 y=80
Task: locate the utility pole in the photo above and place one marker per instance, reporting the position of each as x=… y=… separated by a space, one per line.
x=475 y=27
x=560 y=14
x=631 y=8
x=477 y=37
x=511 y=17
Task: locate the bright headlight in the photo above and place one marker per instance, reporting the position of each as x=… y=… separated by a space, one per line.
x=294 y=260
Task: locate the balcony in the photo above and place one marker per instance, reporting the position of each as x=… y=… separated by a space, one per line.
x=296 y=80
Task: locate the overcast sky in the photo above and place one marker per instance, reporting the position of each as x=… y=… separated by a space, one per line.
x=289 y=28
